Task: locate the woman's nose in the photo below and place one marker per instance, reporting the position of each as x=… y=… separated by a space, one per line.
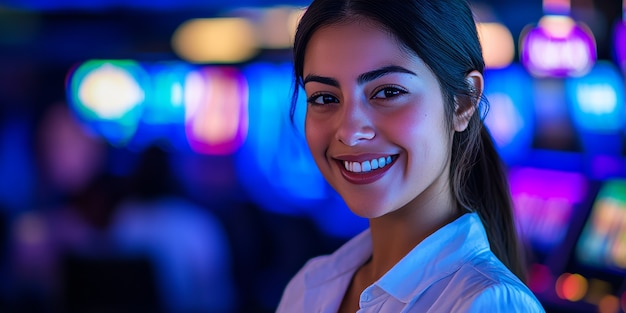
x=354 y=124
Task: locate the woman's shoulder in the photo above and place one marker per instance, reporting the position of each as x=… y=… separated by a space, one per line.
x=311 y=266
x=312 y=281
x=323 y=277
x=490 y=286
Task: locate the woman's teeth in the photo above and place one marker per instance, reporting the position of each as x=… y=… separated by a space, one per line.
x=366 y=166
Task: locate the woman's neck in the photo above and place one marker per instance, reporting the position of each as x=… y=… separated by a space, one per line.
x=396 y=234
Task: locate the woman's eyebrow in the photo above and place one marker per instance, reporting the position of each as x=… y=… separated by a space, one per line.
x=320 y=79
x=377 y=73
x=363 y=78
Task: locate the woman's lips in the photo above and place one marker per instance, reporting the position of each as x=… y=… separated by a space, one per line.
x=361 y=176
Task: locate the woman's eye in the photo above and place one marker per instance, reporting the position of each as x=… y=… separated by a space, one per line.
x=322 y=99
x=388 y=92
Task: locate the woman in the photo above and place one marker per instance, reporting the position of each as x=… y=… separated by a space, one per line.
x=394 y=95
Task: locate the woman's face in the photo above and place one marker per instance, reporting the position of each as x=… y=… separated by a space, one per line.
x=375 y=121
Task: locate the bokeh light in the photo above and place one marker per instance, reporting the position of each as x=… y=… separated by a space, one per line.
x=598 y=289
x=497 y=43
x=275 y=156
x=275 y=152
x=163 y=117
x=276 y=27
x=215 y=40
x=510 y=117
x=557 y=47
x=602 y=242
x=539 y=278
x=571 y=287
x=619 y=44
x=544 y=203
x=109 y=96
x=597 y=99
x=608 y=304
x=216 y=109
x=219 y=88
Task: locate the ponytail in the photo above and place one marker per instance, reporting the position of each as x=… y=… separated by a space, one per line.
x=480 y=184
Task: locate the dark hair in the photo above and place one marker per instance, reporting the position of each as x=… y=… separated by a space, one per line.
x=443 y=34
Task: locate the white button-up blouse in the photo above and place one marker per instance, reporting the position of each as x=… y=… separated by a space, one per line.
x=452 y=270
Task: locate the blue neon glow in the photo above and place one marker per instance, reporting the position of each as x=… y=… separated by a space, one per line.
x=275 y=165
x=17 y=181
x=510 y=118
x=274 y=151
x=597 y=100
x=163 y=116
x=166 y=99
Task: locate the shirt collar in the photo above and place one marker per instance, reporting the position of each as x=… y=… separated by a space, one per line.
x=436 y=257
x=344 y=260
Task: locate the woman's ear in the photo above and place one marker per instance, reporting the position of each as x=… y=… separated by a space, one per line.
x=465 y=107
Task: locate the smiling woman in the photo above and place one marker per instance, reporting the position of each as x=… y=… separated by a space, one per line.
x=394 y=96
x=379 y=103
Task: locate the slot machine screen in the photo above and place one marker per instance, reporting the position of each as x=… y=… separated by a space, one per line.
x=602 y=243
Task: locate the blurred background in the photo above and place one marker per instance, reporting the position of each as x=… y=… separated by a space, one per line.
x=148 y=163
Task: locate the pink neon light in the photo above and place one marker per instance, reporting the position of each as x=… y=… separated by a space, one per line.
x=552 y=52
x=216 y=110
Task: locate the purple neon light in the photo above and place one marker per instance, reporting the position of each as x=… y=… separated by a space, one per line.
x=546 y=183
x=545 y=54
x=544 y=202
x=620 y=44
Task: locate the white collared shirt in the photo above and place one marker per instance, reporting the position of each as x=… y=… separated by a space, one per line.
x=452 y=270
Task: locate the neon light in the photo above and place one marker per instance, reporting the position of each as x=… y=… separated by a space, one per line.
x=558 y=47
x=497 y=44
x=619 y=43
x=276 y=157
x=503 y=120
x=215 y=40
x=603 y=240
x=216 y=110
x=544 y=202
x=110 y=91
x=274 y=152
x=166 y=100
x=510 y=118
x=163 y=116
x=571 y=287
x=597 y=99
x=109 y=96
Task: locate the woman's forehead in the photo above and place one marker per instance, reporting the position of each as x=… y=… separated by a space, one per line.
x=355 y=47
x=331 y=39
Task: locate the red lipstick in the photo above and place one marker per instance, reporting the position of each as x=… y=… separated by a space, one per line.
x=368 y=177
